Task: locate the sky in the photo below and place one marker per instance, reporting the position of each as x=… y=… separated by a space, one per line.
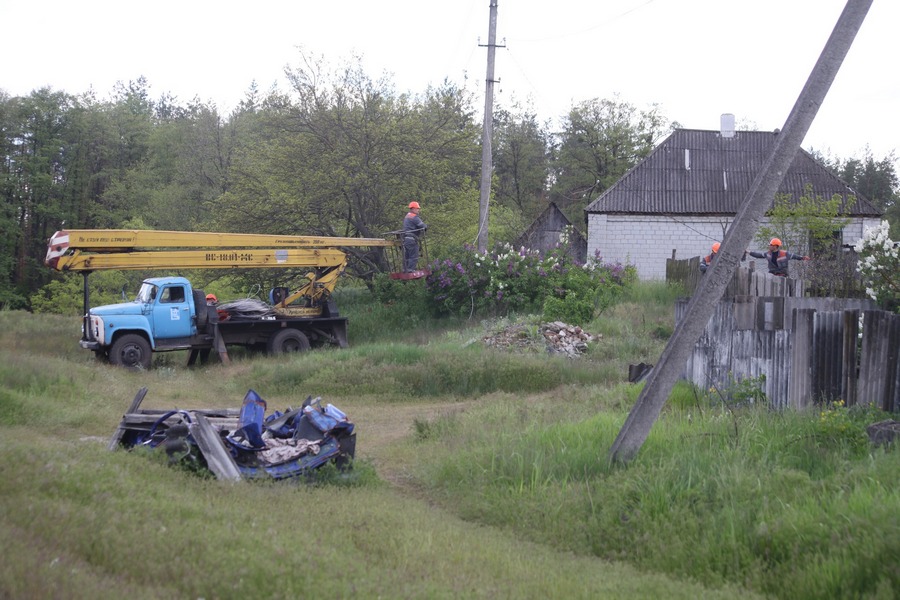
x=695 y=59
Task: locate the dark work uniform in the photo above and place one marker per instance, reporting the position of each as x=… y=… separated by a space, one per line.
x=413 y=228
x=777 y=261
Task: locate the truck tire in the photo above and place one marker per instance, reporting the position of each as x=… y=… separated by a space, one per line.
x=131 y=351
x=288 y=340
x=201 y=310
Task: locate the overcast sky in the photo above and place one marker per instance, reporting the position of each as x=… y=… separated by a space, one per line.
x=696 y=58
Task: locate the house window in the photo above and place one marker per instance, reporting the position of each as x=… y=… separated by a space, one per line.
x=830 y=246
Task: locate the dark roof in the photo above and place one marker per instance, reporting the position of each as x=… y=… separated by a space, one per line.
x=721 y=171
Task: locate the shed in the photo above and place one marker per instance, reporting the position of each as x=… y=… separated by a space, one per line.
x=544 y=234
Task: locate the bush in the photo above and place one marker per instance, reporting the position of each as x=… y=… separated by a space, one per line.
x=879 y=265
x=66 y=296
x=570 y=310
x=508 y=281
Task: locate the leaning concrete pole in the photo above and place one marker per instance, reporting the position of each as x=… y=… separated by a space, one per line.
x=649 y=404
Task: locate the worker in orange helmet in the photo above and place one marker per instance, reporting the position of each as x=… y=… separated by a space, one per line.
x=211 y=300
x=776 y=258
x=706 y=261
x=413 y=229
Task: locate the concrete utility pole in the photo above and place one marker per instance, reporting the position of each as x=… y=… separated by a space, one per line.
x=759 y=197
x=487 y=168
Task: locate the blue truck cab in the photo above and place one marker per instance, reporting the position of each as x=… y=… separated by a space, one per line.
x=163 y=316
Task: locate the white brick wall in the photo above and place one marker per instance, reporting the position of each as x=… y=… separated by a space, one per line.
x=646 y=241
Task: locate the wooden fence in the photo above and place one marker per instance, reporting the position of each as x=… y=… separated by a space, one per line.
x=746 y=280
x=837 y=278
x=810 y=350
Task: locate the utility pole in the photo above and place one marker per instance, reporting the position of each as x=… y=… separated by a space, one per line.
x=487 y=167
x=759 y=197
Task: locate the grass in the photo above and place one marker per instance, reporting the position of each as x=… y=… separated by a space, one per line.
x=479 y=474
x=782 y=506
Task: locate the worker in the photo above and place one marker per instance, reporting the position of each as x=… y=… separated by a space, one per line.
x=706 y=261
x=413 y=229
x=776 y=258
x=211 y=300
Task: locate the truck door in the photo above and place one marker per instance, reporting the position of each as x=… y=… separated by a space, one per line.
x=172 y=313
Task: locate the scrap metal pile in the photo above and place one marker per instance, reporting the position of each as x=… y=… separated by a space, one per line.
x=243 y=443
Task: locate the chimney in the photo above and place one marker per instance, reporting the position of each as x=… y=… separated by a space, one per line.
x=726 y=125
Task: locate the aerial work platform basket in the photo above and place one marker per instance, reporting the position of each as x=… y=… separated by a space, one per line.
x=397 y=256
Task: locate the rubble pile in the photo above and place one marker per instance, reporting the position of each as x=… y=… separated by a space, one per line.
x=554 y=338
x=566 y=339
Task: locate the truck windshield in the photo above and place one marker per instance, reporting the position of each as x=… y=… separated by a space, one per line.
x=147 y=293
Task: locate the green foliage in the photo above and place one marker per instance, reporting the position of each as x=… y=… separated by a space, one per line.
x=601 y=139
x=805 y=223
x=740 y=392
x=811 y=225
x=782 y=503
x=841 y=427
x=344 y=154
x=747 y=501
x=521 y=161
x=393 y=310
x=508 y=281
x=875 y=179
x=571 y=310
x=65 y=296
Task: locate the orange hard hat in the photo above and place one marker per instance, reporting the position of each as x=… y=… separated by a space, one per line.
x=715 y=247
x=212 y=297
x=414 y=204
x=775 y=242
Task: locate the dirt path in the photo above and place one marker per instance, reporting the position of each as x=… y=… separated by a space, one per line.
x=382 y=431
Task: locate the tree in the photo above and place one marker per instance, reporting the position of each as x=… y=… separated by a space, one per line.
x=34 y=175
x=875 y=179
x=521 y=161
x=599 y=142
x=343 y=154
x=812 y=225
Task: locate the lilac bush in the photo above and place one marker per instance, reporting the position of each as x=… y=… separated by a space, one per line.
x=879 y=265
x=508 y=280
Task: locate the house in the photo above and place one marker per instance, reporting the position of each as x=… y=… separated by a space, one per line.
x=683 y=196
x=544 y=234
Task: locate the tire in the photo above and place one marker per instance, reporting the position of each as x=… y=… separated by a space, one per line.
x=201 y=310
x=131 y=351
x=288 y=340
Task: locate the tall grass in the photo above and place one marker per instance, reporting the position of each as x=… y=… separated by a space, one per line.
x=775 y=502
x=787 y=505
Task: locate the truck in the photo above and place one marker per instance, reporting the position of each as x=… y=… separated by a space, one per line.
x=169 y=313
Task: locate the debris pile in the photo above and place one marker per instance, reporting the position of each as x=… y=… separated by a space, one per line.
x=569 y=340
x=243 y=443
x=554 y=338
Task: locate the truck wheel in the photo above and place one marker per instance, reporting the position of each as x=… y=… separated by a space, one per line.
x=201 y=310
x=288 y=340
x=131 y=351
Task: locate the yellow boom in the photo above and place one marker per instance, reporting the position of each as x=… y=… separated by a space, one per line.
x=89 y=250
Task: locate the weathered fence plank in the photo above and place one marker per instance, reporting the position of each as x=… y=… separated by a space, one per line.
x=850 y=356
x=808 y=350
x=828 y=346
x=800 y=385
